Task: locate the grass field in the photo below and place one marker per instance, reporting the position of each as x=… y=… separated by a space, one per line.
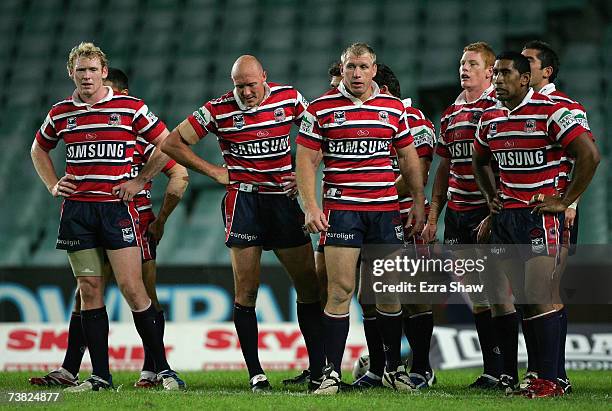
x=228 y=390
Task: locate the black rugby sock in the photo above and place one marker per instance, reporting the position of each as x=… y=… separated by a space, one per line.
x=491 y=356
x=390 y=328
x=531 y=344
x=419 y=329
x=375 y=346
x=506 y=327
x=148 y=329
x=309 y=320
x=245 y=321
x=561 y=373
x=546 y=330
x=76 y=345
x=149 y=363
x=336 y=327
x=95 y=330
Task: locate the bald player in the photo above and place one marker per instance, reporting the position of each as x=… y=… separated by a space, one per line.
x=253 y=122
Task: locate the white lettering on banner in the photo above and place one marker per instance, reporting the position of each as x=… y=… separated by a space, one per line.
x=188 y=346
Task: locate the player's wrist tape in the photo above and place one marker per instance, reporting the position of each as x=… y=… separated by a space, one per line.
x=574 y=205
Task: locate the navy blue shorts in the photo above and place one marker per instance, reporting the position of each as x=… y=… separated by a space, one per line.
x=110 y=225
x=459 y=226
x=541 y=234
x=271 y=221
x=354 y=228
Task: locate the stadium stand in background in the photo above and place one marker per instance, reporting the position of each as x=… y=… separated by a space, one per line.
x=179 y=54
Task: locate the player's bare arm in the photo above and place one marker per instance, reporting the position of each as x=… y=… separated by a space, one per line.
x=177 y=146
x=307 y=161
x=178 y=179
x=410 y=167
x=484 y=179
x=438 y=199
x=587 y=158
x=43 y=164
x=154 y=165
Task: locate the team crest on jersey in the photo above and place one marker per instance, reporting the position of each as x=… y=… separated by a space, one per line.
x=339 y=117
x=279 y=114
x=530 y=126
x=152 y=117
x=238 y=120
x=493 y=129
x=71 y=123
x=475 y=117
x=114 y=119
x=383 y=116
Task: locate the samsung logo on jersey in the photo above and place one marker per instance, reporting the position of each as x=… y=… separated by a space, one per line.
x=520 y=159
x=461 y=149
x=270 y=146
x=358 y=146
x=104 y=150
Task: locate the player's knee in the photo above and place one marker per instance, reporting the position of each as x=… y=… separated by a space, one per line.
x=247 y=296
x=90 y=288
x=339 y=296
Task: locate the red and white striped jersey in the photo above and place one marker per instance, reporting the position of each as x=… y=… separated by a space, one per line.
x=579 y=113
x=424 y=135
x=356 y=138
x=457 y=132
x=527 y=143
x=100 y=140
x=142 y=153
x=254 y=142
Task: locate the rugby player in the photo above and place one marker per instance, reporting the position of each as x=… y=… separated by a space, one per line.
x=360 y=200
x=454 y=182
x=100 y=130
x=544 y=65
x=527 y=133
x=253 y=122
x=151 y=230
x=418 y=318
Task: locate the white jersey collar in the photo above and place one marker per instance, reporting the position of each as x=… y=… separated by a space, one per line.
x=243 y=107
x=76 y=100
x=548 y=89
x=342 y=89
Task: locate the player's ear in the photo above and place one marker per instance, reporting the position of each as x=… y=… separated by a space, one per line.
x=104 y=72
x=375 y=69
x=525 y=78
x=547 y=72
x=265 y=75
x=489 y=72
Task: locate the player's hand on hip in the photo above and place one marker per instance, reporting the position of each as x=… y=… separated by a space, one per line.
x=570 y=217
x=64 y=187
x=495 y=205
x=315 y=221
x=547 y=204
x=290 y=185
x=126 y=191
x=429 y=232
x=156 y=230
